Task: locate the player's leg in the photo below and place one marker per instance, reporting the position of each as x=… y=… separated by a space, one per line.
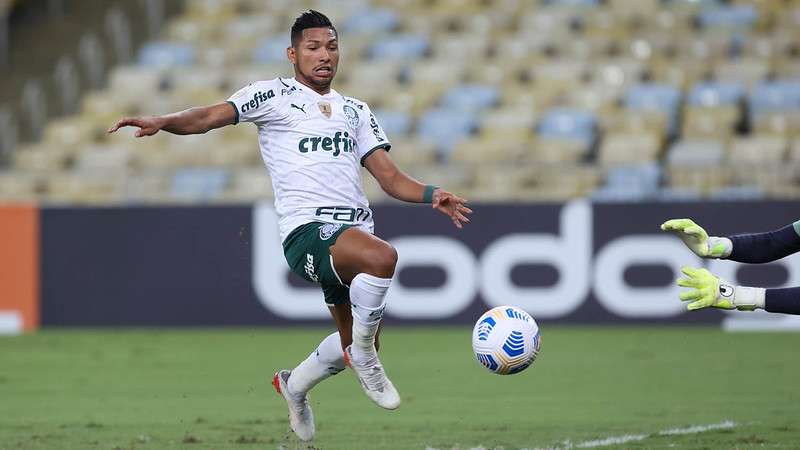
x=325 y=361
x=304 y=245
x=367 y=264
x=343 y=317
x=356 y=251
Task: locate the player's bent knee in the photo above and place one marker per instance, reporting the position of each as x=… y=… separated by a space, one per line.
x=382 y=262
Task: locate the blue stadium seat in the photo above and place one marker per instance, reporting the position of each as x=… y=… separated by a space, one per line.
x=591 y=3
x=394 y=123
x=739 y=193
x=400 y=46
x=567 y=123
x=652 y=96
x=775 y=96
x=166 y=54
x=199 y=184
x=271 y=50
x=656 y=97
x=729 y=16
x=372 y=21
x=445 y=127
x=631 y=183
x=471 y=97
x=710 y=94
x=673 y=194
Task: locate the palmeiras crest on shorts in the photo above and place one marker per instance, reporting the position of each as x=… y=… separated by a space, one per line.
x=352 y=116
x=326 y=109
x=328 y=230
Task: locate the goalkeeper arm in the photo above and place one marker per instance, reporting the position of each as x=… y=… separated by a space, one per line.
x=708 y=290
x=747 y=248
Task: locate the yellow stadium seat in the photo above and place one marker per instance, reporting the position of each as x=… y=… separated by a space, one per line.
x=747 y=71
x=93 y=187
x=519 y=120
x=555 y=151
x=757 y=150
x=721 y=121
x=407 y=152
x=779 y=123
x=16 y=186
x=629 y=148
x=635 y=121
x=415 y=98
x=681 y=72
x=149 y=186
x=249 y=185
x=493 y=149
x=634 y=8
x=435 y=71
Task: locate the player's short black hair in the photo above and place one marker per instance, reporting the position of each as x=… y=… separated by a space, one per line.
x=309 y=19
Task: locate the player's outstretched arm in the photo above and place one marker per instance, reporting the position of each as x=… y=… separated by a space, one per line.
x=708 y=290
x=696 y=238
x=399 y=185
x=766 y=247
x=747 y=248
x=196 y=120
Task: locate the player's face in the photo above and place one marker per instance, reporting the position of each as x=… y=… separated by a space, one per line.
x=315 y=57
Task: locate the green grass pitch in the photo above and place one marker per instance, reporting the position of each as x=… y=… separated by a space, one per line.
x=210 y=389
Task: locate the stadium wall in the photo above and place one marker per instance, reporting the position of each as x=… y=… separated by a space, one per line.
x=210 y=266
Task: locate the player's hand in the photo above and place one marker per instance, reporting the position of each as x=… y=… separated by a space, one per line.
x=148 y=126
x=706 y=289
x=452 y=206
x=696 y=238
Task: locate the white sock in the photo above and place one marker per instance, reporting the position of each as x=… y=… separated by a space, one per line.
x=325 y=361
x=367 y=293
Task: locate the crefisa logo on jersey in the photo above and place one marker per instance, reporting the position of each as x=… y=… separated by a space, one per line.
x=375 y=128
x=339 y=143
x=259 y=98
x=352 y=115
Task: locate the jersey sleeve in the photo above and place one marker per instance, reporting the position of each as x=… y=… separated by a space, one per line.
x=756 y=248
x=254 y=102
x=370 y=135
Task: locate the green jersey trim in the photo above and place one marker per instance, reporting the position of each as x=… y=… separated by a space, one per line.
x=236 y=110
x=385 y=146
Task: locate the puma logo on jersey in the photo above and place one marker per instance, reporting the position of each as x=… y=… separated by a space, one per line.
x=259 y=98
x=301 y=108
x=337 y=144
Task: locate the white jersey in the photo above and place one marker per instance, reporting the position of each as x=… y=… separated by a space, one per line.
x=313 y=146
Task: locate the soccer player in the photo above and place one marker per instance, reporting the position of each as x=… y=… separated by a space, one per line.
x=313 y=141
x=706 y=289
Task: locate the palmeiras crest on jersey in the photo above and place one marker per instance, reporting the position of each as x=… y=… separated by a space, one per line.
x=328 y=230
x=352 y=116
x=326 y=109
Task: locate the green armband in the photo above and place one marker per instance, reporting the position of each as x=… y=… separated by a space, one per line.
x=427 y=196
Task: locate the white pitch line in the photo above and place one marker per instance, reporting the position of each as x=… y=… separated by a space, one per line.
x=613 y=440
x=617 y=440
x=698 y=428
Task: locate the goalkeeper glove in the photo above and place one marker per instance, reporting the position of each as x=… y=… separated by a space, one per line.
x=709 y=290
x=698 y=241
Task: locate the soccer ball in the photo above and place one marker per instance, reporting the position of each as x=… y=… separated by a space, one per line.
x=506 y=340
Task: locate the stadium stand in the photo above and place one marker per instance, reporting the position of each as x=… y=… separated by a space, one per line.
x=622 y=100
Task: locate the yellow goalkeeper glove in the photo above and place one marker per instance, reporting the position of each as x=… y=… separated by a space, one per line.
x=706 y=289
x=698 y=241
